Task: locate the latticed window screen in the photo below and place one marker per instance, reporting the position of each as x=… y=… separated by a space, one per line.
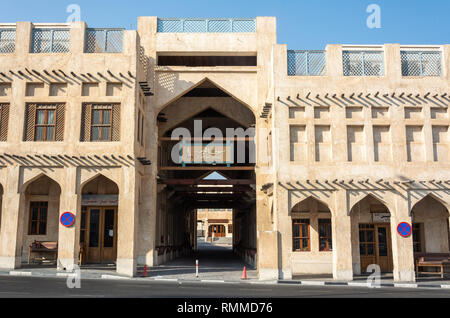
x=100 y=122
x=363 y=63
x=50 y=41
x=7 y=40
x=104 y=41
x=206 y=25
x=4 y=118
x=44 y=122
x=415 y=63
x=307 y=63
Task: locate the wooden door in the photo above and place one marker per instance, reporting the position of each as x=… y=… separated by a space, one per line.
x=100 y=234
x=218 y=230
x=375 y=246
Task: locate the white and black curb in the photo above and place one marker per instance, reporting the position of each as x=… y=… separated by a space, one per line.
x=361 y=284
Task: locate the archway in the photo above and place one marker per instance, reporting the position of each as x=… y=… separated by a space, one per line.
x=430 y=226
x=312 y=238
x=41 y=199
x=371 y=235
x=195 y=142
x=99 y=212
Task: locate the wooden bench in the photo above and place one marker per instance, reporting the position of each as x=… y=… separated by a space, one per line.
x=438 y=260
x=42 y=248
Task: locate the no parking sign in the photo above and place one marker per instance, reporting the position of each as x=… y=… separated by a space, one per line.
x=67 y=219
x=404 y=229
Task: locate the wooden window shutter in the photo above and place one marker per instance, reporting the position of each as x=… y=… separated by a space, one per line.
x=30 y=118
x=59 y=134
x=4 y=121
x=86 y=122
x=115 y=135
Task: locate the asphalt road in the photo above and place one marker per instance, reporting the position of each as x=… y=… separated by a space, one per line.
x=35 y=287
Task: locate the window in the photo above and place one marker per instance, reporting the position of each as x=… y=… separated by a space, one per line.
x=104 y=41
x=140 y=128
x=4 y=118
x=363 y=63
x=300 y=235
x=51 y=41
x=38 y=218
x=100 y=122
x=44 y=122
x=417 y=238
x=367 y=239
x=325 y=238
x=418 y=63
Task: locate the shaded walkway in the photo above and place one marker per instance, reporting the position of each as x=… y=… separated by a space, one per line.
x=216 y=262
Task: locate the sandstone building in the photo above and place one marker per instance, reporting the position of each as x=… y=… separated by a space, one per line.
x=349 y=142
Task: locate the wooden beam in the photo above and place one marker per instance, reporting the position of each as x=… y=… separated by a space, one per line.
x=237 y=189
x=208 y=182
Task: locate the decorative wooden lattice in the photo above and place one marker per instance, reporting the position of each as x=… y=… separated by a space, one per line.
x=115 y=122
x=86 y=123
x=418 y=63
x=30 y=120
x=307 y=63
x=206 y=25
x=4 y=113
x=104 y=41
x=51 y=41
x=7 y=40
x=60 y=119
x=363 y=63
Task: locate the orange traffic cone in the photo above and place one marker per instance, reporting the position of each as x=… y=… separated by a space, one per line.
x=244 y=273
x=145 y=271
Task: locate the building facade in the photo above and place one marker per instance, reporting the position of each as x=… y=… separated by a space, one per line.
x=348 y=143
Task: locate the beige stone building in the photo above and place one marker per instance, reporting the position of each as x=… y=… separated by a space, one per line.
x=349 y=142
x=217 y=221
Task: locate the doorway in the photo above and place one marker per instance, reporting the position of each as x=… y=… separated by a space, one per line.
x=218 y=230
x=375 y=246
x=98 y=235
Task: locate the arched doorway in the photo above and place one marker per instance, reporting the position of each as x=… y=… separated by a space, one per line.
x=41 y=226
x=218 y=230
x=98 y=230
x=430 y=226
x=312 y=238
x=371 y=235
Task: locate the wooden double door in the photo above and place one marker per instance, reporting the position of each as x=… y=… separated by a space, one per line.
x=98 y=234
x=375 y=246
x=218 y=230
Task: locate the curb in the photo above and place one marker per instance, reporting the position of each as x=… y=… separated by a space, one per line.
x=18 y=273
x=361 y=284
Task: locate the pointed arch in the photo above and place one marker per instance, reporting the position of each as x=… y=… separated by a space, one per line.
x=353 y=199
x=97 y=176
x=311 y=197
x=420 y=196
x=297 y=197
x=29 y=179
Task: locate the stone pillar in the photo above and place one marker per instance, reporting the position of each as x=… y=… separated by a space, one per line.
x=147 y=221
x=127 y=224
x=342 y=241
x=69 y=238
x=402 y=248
x=12 y=221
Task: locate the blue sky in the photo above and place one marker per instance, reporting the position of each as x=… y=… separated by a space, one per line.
x=301 y=24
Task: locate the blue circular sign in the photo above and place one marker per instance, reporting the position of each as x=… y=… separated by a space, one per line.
x=404 y=229
x=67 y=219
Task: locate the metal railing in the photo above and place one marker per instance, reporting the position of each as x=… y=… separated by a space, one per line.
x=363 y=63
x=104 y=41
x=207 y=25
x=307 y=63
x=50 y=41
x=7 y=40
x=421 y=63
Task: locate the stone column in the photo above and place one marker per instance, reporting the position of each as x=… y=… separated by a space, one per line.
x=13 y=206
x=402 y=248
x=342 y=241
x=127 y=223
x=69 y=238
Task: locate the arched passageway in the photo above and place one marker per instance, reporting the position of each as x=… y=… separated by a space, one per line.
x=205 y=132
